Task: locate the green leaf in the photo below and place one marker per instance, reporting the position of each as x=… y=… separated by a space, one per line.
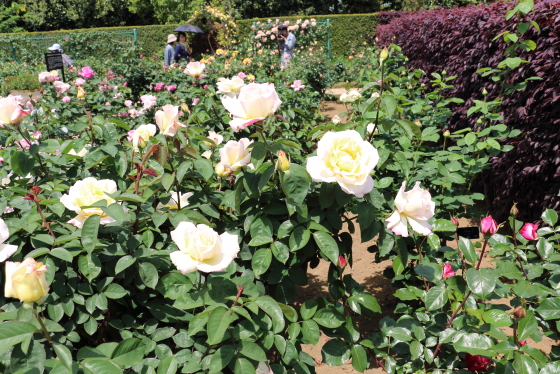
x=403 y=162
x=64 y=355
x=62 y=253
x=271 y=307
x=550 y=217
x=167 y=366
x=261 y=261
x=99 y=366
x=221 y=358
x=258 y=154
x=251 y=350
x=328 y=318
x=90 y=266
x=243 y=366
x=360 y=360
x=444 y=225
x=149 y=274
x=295 y=183
x=89 y=232
x=31 y=357
x=21 y=163
x=129 y=352
x=167 y=181
x=204 y=167
x=549 y=308
x=474 y=344
x=527 y=325
x=280 y=251
x=308 y=308
x=218 y=322
x=467 y=249
x=436 y=298
x=327 y=245
x=389 y=104
x=123 y=263
x=115 y=211
x=497 y=318
x=115 y=291
x=524 y=364
x=311 y=332
x=335 y=352
x=481 y=282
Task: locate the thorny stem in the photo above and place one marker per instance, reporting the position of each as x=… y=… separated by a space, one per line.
x=379 y=103
x=481 y=254
x=46 y=333
x=45 y=223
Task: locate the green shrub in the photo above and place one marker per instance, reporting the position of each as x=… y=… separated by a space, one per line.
x=20 y=82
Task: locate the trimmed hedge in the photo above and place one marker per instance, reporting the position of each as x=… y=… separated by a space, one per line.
x=348 y=31
x=461 y=41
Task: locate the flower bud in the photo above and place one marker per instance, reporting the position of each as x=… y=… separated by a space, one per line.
x=519 y=312
x=185 y=108
x=523 y=343
x=514 y=211
x=529 y=231
x=222 y=170
x=489 y=226
x=81 y=93
x=26 y=280
x=383 y=55
x=479 y=121
x=447 y=271
x=484 y=92
x=342 y=262
x=446 y=133
x=283 y=163
x=455 y=221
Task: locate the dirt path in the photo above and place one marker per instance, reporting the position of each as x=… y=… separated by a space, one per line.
x=366 y=272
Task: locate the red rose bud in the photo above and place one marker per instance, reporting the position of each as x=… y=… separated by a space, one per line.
x=476 y=363
x=342 y=261
x=455 y=221
x=523 y=343
x=489 y=226
x=448 y=271
x=529 y=231
x=519 y=312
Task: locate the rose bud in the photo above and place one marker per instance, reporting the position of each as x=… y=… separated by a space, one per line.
x=489 y=226
x=514 y=211
x=529 y=231
x=26 y=280
x=448 y=271
x=519 y=312
x=283 y=163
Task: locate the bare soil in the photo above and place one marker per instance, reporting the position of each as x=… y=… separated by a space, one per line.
x=370 y=274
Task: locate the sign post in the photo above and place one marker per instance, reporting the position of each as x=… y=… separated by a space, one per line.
x=54 y=62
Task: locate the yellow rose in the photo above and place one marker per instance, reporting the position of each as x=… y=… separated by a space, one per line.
x=141 y=135
x=85 y=193
x=26 y=280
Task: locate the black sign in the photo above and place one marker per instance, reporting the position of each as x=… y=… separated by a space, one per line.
x=469 y=232
x=54 y=61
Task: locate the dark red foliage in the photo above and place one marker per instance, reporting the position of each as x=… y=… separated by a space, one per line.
x=384 y=17
x=461 y=41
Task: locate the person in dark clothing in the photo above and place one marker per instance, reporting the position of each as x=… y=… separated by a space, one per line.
x=181 y=51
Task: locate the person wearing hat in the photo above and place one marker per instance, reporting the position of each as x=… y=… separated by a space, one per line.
x=286 y=43
x=169 y=53
x=65 y=58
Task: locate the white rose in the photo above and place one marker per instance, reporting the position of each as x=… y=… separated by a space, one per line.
x=217 y=138
x=45 y=77
x=207 y=154
x=194 y=68
x=172 y=203
x=371 y=127
x=61 y=87
x=255 y=102
x=346 y=158
x=201 y=248
x=85 y=193
x=142 y=134
x=235 y=154
x=336 y=119
x=166 y=120
x=6 y=250
x=230 y=87
x=82 y=153
x=416 y=206
x=350 y=97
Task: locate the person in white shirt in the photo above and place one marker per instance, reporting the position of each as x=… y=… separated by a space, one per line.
x=286 y=44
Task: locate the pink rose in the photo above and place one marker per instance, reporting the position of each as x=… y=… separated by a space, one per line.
x=448 y=271
x=80 y=81
x=171 y=88
x=107 y=104
x=523 y=343
x=10 y=111
x=195 y=101
x=37 y=135
x=297 y=86
x=158 y=87
x=529 y=231
x=416 y=207
x=242 y=75
x=128 y=103
x=489 y=226
x=86 y=72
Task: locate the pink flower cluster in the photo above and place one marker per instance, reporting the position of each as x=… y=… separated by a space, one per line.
x=148 y=101
x=158 y=87
x=170 y=88
x=297 y=86
x=110 y=75
x=86 y=72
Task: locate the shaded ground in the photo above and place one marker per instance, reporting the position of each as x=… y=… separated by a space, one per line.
x=366 y=272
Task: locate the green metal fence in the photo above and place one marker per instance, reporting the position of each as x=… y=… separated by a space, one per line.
x=78 y=45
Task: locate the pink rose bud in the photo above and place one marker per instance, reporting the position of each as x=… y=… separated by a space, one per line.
x=66 y=99
x=195 y=101
x=455 y=221
x=489 y=226
x=36 y=135
x=125 y=84
x=448 y=271
x=342 y=261
x=523 y=343
x=529 y=231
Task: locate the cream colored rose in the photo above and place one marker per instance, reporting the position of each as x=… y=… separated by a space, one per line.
x=416 y=207
x=172 y=203
x=201 y=248
x=82 y=153
x=6 y=250
x=26 y=280
x=167 y=120
x=194 y=68
x=350 y=96
x=10 y=111
x=142 y=134
x=235 y=154
x=222 y=171
x=230 y=87
x=217 y=138
x=85 y=193
x=255 y=102
x=346 y=158
x=207 y=154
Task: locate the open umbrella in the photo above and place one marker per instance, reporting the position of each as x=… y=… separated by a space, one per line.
x=189 y=28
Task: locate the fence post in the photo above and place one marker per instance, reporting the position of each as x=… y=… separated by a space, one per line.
x=328 y=37
x=135 y=38
x=14 y=56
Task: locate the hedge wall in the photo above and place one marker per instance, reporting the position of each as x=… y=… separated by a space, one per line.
x=348 y=31
x=461 y=41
